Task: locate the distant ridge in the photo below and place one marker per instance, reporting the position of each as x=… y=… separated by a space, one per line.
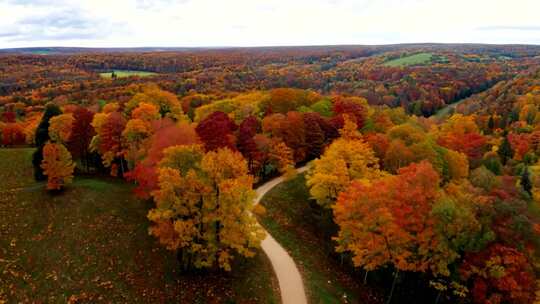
x=76 y=50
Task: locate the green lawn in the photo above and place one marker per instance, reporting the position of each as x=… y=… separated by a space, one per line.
x=291 y=221
x=91 y=243
x=15 y=168
x=127 y=73
x=416 y=59
x=449 y=110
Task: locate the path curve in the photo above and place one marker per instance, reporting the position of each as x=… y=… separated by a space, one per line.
x=289 y=278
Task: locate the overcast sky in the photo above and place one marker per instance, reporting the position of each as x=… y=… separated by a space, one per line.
x=129 y=23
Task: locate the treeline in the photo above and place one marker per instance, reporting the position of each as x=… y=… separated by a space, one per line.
x=358 y=71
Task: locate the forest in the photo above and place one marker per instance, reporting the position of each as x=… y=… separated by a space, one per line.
x=387 y=174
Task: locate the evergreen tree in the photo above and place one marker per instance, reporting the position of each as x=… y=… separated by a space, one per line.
x=491 y=124
x=505 y=150
x=42 y=136
x=526 y=181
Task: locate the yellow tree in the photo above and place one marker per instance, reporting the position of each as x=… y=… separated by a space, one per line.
x=281 y=156
x=60 y=127
x=97 y=123
x=146 y=112
x=458 y=165
x=134 y=137
x=57 y=166
x=344 y=161
x=31 y=124
x=203 y=206
x=167 y=103
x=111 y=107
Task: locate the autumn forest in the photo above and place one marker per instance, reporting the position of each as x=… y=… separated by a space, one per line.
x=325 y=174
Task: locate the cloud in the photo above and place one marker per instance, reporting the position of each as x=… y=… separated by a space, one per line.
x=103 y=23
x=8 y=34
x=508 y=28
x=157 y=4
x=31 y=2
x=63 y=24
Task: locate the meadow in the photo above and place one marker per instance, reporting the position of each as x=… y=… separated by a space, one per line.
x=416 y=59
x=127 y=73
x=90 y=244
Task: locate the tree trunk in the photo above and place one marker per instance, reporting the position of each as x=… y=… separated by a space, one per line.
x=365 y=277
x=393 y=287
x=438 y=297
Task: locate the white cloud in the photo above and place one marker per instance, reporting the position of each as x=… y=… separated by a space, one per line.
x=270 y=22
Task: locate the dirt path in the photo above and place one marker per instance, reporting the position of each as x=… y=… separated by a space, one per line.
x=289 y=278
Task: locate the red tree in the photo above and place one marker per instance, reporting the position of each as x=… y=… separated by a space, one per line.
x=13 y=134
x=315 y=137
x=354 y=109
x=167 y=134
x=81 y=134
x=216 y=131
x=471 y=144
x=246 y=143
x=9 y=117
x=499 y=274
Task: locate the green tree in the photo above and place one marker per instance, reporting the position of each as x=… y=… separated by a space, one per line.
x=526 y=181
x=505 y=150
x=491 y=124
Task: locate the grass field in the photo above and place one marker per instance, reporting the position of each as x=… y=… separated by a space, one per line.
x=90 y=244
x=291 y=221
x=416 y=59
x=448 y=110
x=127 y=73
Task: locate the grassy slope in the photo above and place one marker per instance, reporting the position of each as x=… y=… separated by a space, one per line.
x=91 y=243
x=420 y=58
x=126 y=73
x=290 y=219
x=448 y=110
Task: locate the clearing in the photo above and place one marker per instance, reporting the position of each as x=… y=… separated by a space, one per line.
x=127 y=73
x=91 y=243
x=416 y=59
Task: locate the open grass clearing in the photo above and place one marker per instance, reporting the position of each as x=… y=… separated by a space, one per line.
x=127 y=73
x=91 y=244
x=416 y=59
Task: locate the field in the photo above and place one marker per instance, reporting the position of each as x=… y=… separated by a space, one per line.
x=127 y=73
x=416 y=59
x=90 y=245
x=448 y=110
x=291 y=220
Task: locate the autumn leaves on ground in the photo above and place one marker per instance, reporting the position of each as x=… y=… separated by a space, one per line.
x=140 y=189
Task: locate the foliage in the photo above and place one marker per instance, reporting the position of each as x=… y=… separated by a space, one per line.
x=388 y=221
x=216 y=131
x=42 y=136
x=60 y=128
x=499 y=274
x=57 y=166
x=202 y=207
x=344 y=161
x=81 y=135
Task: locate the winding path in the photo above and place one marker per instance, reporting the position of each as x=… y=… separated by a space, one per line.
x=289 y=278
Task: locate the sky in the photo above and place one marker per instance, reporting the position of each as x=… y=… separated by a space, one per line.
x=202 y=23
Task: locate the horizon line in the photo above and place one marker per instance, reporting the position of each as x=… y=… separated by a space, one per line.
x=267 y=46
